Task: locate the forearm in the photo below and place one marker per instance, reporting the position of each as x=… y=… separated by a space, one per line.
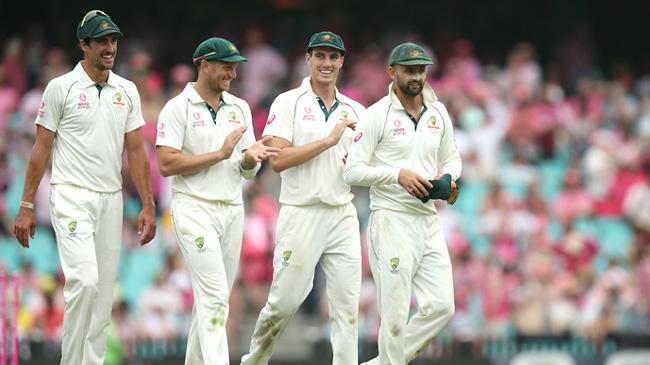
x=294 y=156
x=179 y=163
x=364 y=175
x=141 y=175
x=35 y=170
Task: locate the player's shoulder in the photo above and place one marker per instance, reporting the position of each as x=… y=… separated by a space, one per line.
x=358 y=107
x=232 y=99
x=290 y=97
x=440 y=107
x=381 y=106
x=63 y=82
x=123 y=82
x=175 y=104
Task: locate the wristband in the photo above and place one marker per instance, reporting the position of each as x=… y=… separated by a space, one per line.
x=27 y=205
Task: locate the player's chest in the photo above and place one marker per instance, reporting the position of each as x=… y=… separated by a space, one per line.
x=404 y=136
x=208 y=127
x=88 y=110
x=312 y=122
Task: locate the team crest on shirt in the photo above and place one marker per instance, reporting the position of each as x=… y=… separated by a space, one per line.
x=286 y=256
x=398 y=130
x=83 y=104
x=200 y=242
x=232 y=118
x=197 y=122
x=433 y=123
x=72 y=226
x=394 y=263
x=118 y=99
x=218 y=320
x=344 y=114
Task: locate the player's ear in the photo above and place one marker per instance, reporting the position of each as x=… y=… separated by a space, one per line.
x=391 y=72
x=307 y=56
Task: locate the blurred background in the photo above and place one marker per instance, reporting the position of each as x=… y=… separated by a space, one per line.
x=550 y=238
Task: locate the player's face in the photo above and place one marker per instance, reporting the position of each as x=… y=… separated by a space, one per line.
x=220 y=74
x=409 y=79
x=100 y=53
x=325 y=64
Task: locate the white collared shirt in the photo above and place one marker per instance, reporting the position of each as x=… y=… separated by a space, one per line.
x=90 y=126
x=186 y=124
x=389 y=141
x=297 y=116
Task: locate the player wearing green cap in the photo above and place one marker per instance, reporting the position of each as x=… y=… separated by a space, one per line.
x=86 y=119
x=206 y=144
x=406 y=153
x=313 y=126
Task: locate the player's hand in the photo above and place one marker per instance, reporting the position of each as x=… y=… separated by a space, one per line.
x=338 y=131
x=259 y=151
x=146 y=225
x=414 y=184
x=231 y=141
x=25 y=226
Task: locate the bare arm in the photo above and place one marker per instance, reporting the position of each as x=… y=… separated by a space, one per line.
x=25 y=224
x=174 y=162
x=141 y=174
x=291 y=156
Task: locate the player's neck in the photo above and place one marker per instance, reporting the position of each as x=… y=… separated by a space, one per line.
x=412 y=104
x=98 y=76
x=212 y=97
x=326 y=92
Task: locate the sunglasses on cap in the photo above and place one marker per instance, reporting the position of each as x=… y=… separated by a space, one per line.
x=91 y=14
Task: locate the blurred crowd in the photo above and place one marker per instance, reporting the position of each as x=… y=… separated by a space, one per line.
x=550 y=235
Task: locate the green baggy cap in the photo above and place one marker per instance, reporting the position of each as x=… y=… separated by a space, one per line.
x=217 y=49
x=326 y=39
x=409 y=54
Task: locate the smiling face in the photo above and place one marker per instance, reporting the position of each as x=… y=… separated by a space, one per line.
x=218 y=75
x=409 y=79
x=99 y=53
x=325 y=64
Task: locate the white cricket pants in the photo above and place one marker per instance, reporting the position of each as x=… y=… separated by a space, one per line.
x=407 y=252
x=307 y=235
x=88 y=227
x=210 y=237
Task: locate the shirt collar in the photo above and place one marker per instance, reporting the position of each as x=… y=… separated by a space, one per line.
x=427 y=93
x=194 y=97
x=86 y=81
x=306 y=85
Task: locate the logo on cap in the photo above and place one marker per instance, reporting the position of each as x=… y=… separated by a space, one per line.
x=233 y=48
x=104 y=25
x=416 y=53
x=326 y=37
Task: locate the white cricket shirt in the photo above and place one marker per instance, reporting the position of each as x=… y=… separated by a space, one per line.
x=187 y=123
x=90 y=126
x=299 y=116
x=389 y=139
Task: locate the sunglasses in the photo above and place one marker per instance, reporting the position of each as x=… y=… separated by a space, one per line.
x=91 y=14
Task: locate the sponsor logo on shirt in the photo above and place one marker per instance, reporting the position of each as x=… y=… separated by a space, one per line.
x=271 y=119
x=308 y=114
x=197 y=122
x=83 y=104
x=117 y=99
x=161 y=133
x=398 y=130
x=41 y=109
x=358 y=137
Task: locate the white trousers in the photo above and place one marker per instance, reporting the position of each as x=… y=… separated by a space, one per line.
x=306 y=236
x=88 y=227
x=408 y=253
x=210 y=239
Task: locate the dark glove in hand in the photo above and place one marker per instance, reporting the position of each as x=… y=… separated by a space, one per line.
x=441 y=189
